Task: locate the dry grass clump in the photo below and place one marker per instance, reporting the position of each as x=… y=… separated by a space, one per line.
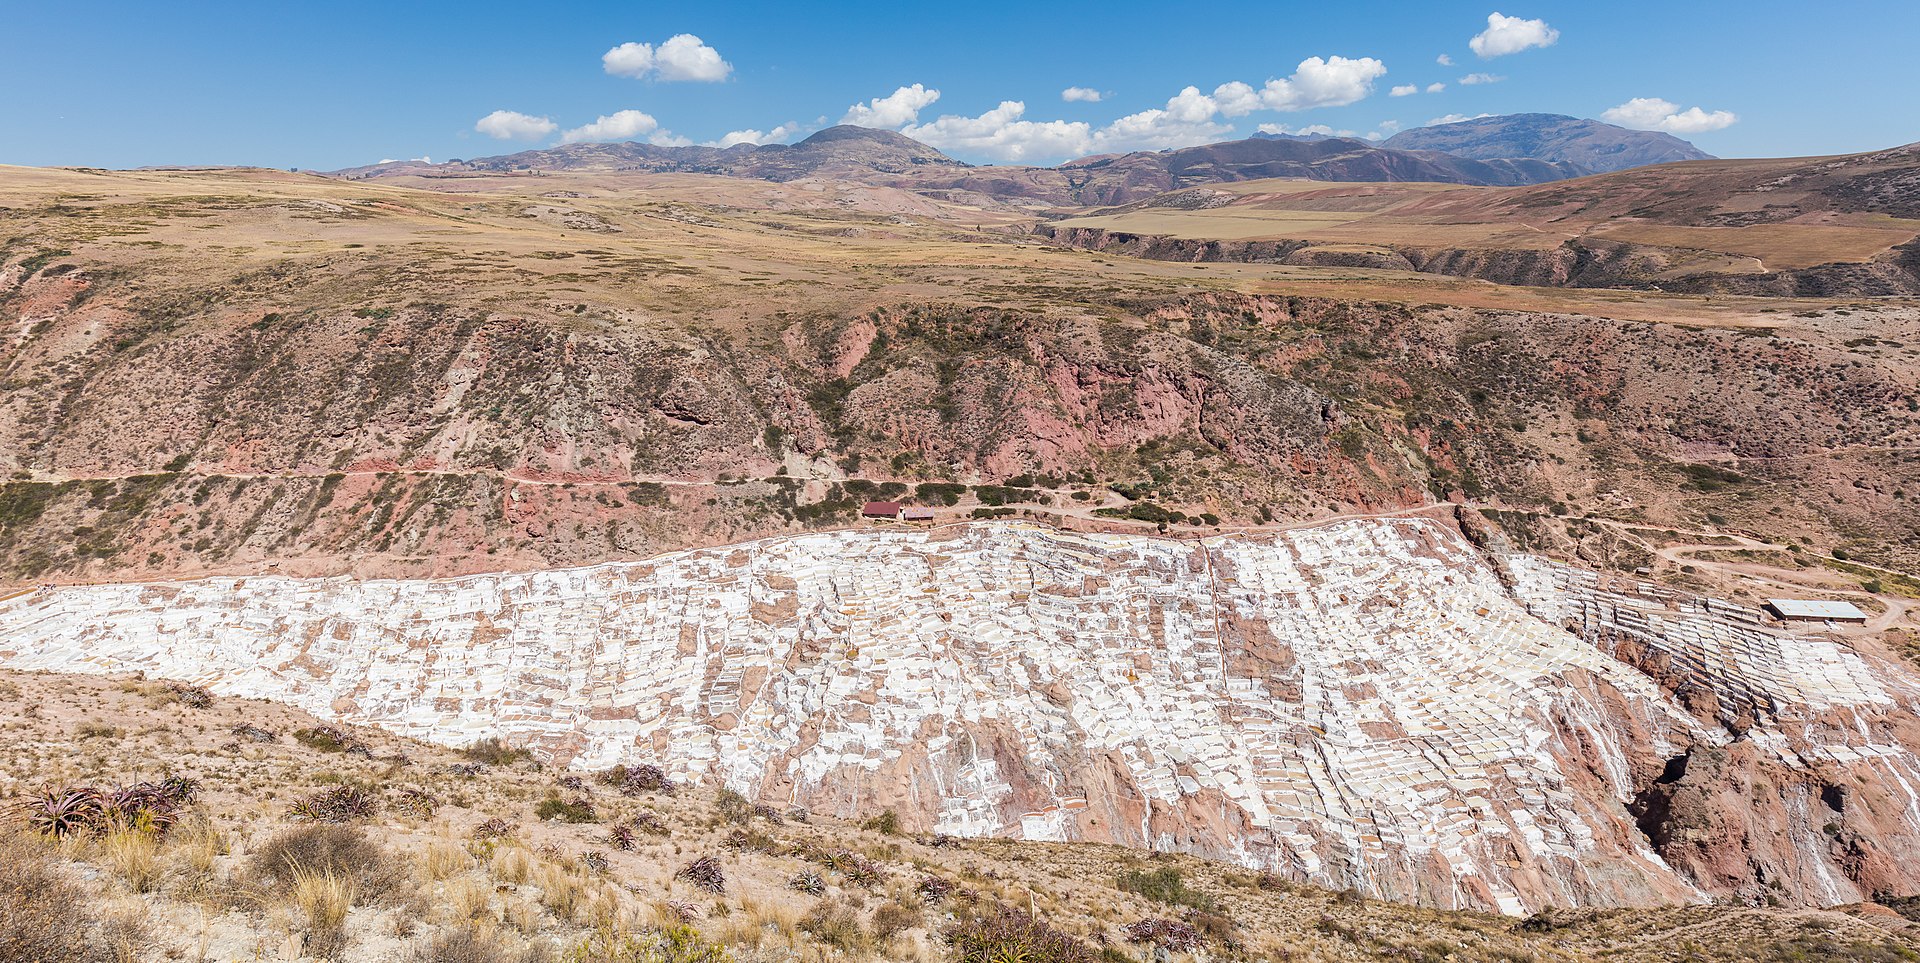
x=323 y=898
x=472 y=944
x=44 y=916
x=836 y=923
x=344 y=852
x=133 y=858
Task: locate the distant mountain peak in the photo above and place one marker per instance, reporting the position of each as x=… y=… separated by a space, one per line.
x=1591 y=145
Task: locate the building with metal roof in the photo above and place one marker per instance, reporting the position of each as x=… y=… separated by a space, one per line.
x=1816 y=610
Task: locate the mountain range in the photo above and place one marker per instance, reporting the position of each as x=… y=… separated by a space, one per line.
x=1542 y=148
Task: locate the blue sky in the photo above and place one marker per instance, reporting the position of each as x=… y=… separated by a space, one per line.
x=344 y=83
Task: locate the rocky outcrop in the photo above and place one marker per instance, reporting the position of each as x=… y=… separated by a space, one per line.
x=1362 y=704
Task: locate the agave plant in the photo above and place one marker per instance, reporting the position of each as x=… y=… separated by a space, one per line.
x=255 y=733
x=416 y=802
x=181 y=790
x=648 y=822
x=341 y=804
x=145 y=807
x=191 y=696
x=495 y=828
x=66 y=812
x=933 y=889
x=705 y=873
x=808 y=882
x=647 y=778
x=1174 y=935
x=1013 y=935
x=621 y=838
x=595 y=861
x=864 y=872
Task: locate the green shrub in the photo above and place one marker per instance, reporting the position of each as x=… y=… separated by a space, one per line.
x=576 y=810
x=493 y=752
x=887 y=822
x=1166 y=886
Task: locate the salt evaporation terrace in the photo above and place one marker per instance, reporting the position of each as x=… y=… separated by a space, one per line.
x=1359 y=704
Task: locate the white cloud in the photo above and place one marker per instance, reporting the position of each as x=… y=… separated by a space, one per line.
x=903 y=106
x=1404 y=90
x=416 y=160
x=686 y=57
x=620 y=125
x=1443 y=60
x=1158 y=130
x=1510 y=35
x=1329 y=82
x=1436 y=87
x=628 y=60
x=1454 y=119
x=1190 y=117
x=681 y=57
x=1235 y=99
x=1472 y=79
x=1082 y=94
x=513 y=125
x=778 y=135
x=1003 y=134
x=1653 y=113
x=1307 y=131
x=1389 y=126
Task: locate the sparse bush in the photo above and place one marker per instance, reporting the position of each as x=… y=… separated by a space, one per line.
x=44 y=917
x=837 y=924
x=327 y=739
x=191 y=696
x=622 y=838
x=1166 y=886
x=892 y=919
x=886 y=822
x=462 y=944
x=733 y=807
x=674 y=944
x=341 y=851
x=648 y=821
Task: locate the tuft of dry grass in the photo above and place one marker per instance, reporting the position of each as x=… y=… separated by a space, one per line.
x=133 y=857
x=561 y=892
x=442 y=860
x=511 y=864
x=323 y=899
x=469 y=899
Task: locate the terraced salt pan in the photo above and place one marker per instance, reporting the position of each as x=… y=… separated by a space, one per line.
x=1358 y=704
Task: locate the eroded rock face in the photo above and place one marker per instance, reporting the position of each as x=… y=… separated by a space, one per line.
x=1362 y=704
